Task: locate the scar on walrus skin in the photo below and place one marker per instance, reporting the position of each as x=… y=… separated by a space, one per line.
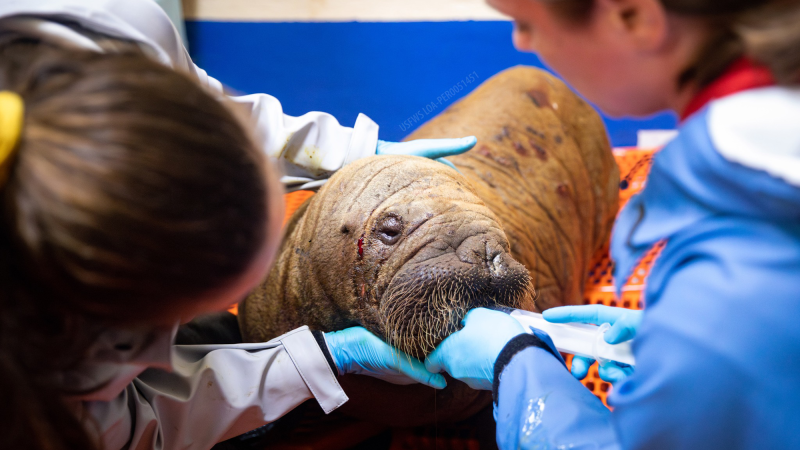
x=405 y=246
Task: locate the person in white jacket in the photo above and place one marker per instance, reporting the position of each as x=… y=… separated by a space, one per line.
x=132 y=202
x=308 y=149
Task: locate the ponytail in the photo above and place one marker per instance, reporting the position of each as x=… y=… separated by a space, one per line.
x=131 y=192
x=33 y=415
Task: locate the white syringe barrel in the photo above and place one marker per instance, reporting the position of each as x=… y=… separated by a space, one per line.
x=577 y=338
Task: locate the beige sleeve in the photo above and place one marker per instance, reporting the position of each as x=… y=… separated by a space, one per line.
x=217 y=392
x=308 y=148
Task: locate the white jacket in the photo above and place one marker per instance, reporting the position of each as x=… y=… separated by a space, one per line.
x=308 y=149
x=155 y=395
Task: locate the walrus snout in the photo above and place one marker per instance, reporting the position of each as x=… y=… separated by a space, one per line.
x=483 y=250
x=429 y=296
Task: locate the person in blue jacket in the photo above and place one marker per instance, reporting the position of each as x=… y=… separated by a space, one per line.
x=718 y=348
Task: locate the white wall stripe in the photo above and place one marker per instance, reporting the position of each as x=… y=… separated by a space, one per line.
x=339 y=10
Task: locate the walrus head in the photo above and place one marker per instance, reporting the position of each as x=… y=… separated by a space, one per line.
x=428 y=251
x=400 y=245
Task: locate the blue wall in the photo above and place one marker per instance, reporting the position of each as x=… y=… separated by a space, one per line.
x=391 y=71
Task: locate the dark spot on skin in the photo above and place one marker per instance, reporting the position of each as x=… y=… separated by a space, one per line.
x=361 y=247
x=521 y=151
x=558 y=139
x=534 y=132
x=484 y=151
x=344 y=229
x=563 y=190
x=538 y=98
x=390 y=229
x=540 y=151
x=503 y=134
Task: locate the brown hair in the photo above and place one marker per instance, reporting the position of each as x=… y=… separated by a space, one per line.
x=132 y=190
x=766 y=31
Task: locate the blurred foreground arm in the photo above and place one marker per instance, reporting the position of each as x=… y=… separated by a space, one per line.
x=536 y=401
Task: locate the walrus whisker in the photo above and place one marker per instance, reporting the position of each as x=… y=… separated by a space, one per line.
x=419 y=312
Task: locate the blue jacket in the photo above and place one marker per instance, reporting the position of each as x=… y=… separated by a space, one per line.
x=718 y=351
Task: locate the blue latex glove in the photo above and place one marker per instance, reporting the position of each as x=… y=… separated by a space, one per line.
x=429 y=148
x=624 y=323
x=356 y=350
x=469 y=354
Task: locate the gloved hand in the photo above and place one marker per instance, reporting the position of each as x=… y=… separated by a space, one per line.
x=356 y=350
x=428 y=148
x=470 y=353
x=624 y=324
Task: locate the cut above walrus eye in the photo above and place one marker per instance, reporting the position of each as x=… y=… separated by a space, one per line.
x=389 y=229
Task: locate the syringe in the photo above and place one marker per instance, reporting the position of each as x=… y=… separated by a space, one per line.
x=575 y=338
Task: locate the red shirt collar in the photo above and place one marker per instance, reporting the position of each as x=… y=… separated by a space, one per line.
x=741 y=75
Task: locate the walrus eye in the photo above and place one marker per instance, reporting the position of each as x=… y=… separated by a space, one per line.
x=389 y=229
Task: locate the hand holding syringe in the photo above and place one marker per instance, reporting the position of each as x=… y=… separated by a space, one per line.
x=570 y=329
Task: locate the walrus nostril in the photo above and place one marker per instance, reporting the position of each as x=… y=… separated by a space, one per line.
x=497 y=266
x=493 y=250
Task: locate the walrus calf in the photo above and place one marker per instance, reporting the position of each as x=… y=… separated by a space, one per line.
x=405 y=246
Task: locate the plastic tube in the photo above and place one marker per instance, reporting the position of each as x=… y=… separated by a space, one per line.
x=576 y=338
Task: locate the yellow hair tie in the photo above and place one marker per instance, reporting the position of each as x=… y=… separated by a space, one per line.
x=12 y=114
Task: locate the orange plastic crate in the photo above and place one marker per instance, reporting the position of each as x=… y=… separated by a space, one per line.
x=293 y=201
x=634 y=166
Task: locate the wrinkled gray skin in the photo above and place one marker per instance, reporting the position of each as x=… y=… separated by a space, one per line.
x=404 y=247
